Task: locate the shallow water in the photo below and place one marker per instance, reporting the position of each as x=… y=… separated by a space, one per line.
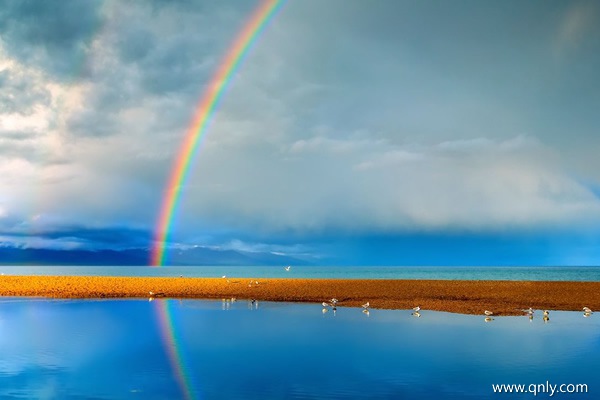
x=124 y=349
x=460 y=273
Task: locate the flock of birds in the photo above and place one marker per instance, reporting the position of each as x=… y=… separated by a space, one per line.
x=416 y=311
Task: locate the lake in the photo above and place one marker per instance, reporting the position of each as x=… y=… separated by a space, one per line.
x=201 y=349
x=326 y=272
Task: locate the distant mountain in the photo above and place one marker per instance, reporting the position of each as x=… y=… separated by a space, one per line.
x=194 y=256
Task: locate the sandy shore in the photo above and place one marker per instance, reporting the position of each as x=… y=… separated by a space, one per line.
x=469 y=297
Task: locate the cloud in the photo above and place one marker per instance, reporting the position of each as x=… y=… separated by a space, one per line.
x=575 y=27
x=55 y=36
x=336 y=121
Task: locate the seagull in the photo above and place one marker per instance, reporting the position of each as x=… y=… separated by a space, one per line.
x=416 y=314
x=366 y=305
x=587 y=310
x=325 y=304
x=488 y=319
x=546 y=313
x=530 y=311
x=416 y=309
x=288 y=268
x=333 y=301
x=488 y=313
x=224 y=276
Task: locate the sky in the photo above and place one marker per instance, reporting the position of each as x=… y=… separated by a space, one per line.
x=385 y=132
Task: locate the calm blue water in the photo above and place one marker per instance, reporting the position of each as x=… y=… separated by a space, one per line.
x=114 y=349
x=461 y=273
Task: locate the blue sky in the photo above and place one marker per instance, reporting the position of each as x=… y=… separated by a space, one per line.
x=380 y=132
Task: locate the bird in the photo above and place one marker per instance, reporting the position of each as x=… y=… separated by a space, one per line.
x=587 y=310
x=488 y=319
x=416 y=314
x=366 y=305
x=224 y=276
x=288 y=268
x=488 y=313
x=151 y=293
x=530 y=311
x=333 y=301
x=546 y=313
x=416 y=309
x=325 y=304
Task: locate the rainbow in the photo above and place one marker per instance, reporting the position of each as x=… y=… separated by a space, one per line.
x=197 y=130
x=173 y=347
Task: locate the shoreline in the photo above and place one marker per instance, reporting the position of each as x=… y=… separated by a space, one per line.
x=465 y=297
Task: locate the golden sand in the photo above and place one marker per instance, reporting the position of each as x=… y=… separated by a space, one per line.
x=469 y=297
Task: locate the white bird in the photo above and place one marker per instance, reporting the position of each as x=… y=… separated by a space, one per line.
x=224 y=276
x=366 y=305
x=587 y=310
x=416 y=309
x=151 y=294
x=546 y=313
x=288 y=268
x=488 y=313
x=325 y=304
x=530 y=311
x=333 y=301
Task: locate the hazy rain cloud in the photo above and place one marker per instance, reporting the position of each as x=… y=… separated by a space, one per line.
x=345 y=117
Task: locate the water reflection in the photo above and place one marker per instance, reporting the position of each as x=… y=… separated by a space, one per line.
x=114 y=349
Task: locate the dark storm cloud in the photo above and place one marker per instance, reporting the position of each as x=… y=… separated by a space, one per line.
x=54 y=35
x=101 y=237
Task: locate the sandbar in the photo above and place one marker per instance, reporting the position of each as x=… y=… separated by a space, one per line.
x=467 y=297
